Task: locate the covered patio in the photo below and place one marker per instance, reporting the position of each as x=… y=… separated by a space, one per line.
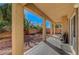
x=53 y=46
x=55 y=13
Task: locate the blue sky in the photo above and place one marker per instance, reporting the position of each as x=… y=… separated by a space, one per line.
x=35 y=19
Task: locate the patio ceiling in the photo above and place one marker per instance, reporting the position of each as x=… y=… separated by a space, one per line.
x=53 y=11
x=56 y=10
x=31 y=7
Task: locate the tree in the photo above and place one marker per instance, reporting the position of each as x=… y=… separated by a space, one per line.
x=27 y=25
x=2 y=24
x=38 y=27
x=5 y=17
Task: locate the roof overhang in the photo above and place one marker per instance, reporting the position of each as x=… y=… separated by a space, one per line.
x=52 y=11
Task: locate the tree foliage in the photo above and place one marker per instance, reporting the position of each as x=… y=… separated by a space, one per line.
x=5 y=17
x=28 y=26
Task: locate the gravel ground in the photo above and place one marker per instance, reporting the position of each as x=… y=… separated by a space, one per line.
x=5 y=44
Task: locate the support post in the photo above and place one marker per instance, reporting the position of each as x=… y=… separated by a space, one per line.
x=44 y=29
x=51 y=29
x=17 y=29
x=54 y=28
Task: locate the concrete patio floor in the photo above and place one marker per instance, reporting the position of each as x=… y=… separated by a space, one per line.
x=52 y=46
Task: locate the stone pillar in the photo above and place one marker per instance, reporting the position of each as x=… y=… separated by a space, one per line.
x=17 y=29
x=44 y=29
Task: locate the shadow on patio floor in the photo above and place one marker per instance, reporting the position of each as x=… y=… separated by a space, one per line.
x=60 y=51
